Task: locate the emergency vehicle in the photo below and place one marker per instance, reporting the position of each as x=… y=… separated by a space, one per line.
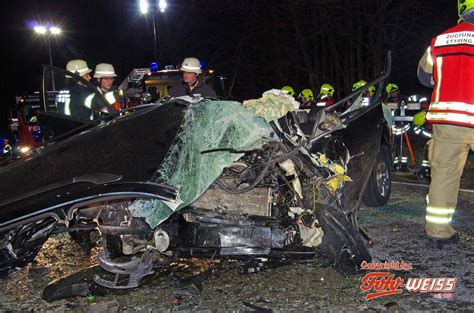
x=23 y=122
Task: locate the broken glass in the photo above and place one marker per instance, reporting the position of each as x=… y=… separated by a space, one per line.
x=213 y=135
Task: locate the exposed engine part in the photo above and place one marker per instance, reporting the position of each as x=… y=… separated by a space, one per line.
x=289 y=167
x=257 y=201
x=134 y=270
x=162 y=240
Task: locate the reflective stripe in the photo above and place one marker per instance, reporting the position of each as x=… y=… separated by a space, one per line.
x=438 y=220
x=429 y=58
x=321 y=104
x=451 y=117
x=109 y=96
x=440 y=211
x=67 y=106
x=399 y=130
x=455 y=106
x=187 y=67
x=439 y=61
x=88 y=101
x=83 y=71
x=105 y=73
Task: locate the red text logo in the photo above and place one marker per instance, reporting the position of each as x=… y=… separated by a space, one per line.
x=382 y=284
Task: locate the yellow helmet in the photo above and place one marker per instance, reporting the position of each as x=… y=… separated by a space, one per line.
x=358 y=85
x=419 y=118
x=465 y=6
x=391 y=88
x=289 y=89
x=307 y=93
x=327 y=89
x=371 y=90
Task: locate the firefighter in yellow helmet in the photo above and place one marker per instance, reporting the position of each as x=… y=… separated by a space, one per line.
x=306 y=97
x=447 y=66
x=398 y=105
x=289 y=90
x=325 y=96
x=368 y=93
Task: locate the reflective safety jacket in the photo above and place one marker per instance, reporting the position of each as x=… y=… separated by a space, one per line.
x=324 y=101
x=450 y=60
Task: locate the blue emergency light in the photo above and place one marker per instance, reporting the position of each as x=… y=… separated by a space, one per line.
x=154 y=67
x=202 y=64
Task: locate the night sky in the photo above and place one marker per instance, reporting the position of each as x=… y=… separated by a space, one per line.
x=114 y=31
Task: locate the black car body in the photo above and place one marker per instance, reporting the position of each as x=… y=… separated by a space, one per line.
x=289 y=197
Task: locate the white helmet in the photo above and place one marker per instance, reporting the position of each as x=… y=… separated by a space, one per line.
x=78 y=66
x=104 y=70
x=191 y=65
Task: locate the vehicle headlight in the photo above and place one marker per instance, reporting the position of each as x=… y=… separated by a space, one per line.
x=24 y=149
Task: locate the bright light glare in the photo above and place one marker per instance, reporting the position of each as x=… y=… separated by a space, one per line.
x=24 y=149
x=144 y=6
x=54 y=30
x=162 y=5
x=40 y=29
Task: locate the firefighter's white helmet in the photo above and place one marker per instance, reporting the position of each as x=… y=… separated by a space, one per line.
x=191 y=65
x=78 y=66
x=104 y=70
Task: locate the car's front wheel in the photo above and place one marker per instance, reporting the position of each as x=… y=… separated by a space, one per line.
x=377 y=192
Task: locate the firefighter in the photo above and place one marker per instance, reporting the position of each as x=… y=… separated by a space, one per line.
x=421 y=129
x=104 y=74
x=361 y=83
x=398 y=105
x=289 y=90
x=325 y=97
x=306 y=97
x=192 y=85
x=71 y=100
x=447 y=66
x=7 y=149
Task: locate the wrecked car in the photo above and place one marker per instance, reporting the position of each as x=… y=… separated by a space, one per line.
x=202 y=178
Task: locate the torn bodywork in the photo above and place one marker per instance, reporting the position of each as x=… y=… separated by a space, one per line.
x=210 y=178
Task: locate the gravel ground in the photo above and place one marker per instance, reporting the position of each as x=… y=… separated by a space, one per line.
x=396 y=231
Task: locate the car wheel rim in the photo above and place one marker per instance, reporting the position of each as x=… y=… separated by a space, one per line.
x=383 y=179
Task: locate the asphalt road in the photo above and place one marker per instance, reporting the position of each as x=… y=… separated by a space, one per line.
x=396 y=233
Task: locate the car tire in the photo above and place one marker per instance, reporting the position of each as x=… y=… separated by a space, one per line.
x=377 y=192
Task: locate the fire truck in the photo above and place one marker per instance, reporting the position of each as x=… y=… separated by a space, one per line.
x=23 y=122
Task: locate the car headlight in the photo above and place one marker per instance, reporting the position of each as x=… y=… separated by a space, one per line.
x=24 y=149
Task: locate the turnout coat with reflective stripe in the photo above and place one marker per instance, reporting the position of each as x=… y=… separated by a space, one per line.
x=452 y=56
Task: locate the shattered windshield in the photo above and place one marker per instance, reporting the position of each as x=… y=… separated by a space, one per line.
x=213 y=135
